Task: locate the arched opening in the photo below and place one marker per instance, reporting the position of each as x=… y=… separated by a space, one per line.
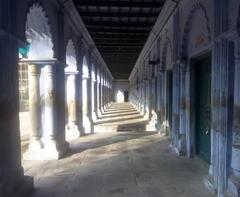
x=119 y=96
x=39 y=46
x=168 y=84
x=188 y=103
x=71 y=81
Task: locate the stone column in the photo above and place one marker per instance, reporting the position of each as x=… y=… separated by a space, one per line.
x=98 y=97
x=163 y=104
x=100 y=93
x=52 y=146
x=87 y=123
x=72 y=131
x=234 y=180
x=12 y=180
x=141 y=99
x=147 y=97
x=35 y=144
x=176 y=98
x=94 y=97
x=182 y=132
x=103 y=93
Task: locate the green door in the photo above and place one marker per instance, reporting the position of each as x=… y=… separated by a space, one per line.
x=203 y=107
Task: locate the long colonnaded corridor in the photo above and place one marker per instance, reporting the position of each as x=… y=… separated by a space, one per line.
x=119 y=98
x=124 y=160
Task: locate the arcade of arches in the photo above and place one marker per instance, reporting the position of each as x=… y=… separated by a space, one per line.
x=119 y=98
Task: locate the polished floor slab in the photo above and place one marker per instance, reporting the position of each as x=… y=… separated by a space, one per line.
x=119 y=163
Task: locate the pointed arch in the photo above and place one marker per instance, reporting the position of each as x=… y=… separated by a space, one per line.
x=188 y=28
x=71 y=58
x=167 y=53
x=85 y=69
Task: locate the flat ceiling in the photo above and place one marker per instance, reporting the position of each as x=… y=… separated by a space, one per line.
x=119 y=29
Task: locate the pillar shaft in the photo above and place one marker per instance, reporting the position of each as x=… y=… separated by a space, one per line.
x=34 y=103
x=86 y=103
x=49 y=96
x=72 y=89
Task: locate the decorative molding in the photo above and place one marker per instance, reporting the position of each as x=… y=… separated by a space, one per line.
x=43 y=18
x=188 y=27
x=167 y=44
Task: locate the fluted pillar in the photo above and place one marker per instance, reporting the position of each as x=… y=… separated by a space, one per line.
x=234 y=180
x=87 y=123
x=182 y=132
x=49 y=139
x=98 y=96
x=35 y=144
x=94 y=97
x=176 y=105
x=72 y=130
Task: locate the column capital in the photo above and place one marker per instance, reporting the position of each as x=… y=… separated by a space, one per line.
x=72 y=72
x=34 y=69
x=51 y=61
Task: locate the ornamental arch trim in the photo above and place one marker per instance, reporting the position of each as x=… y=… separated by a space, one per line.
x=38 y=34
x=188 y=27
x=167 y=45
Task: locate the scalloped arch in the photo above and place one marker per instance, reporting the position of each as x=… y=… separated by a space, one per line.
x=188 y=27
x=167 y=45
x=38 y=32
x=71 y=58
x=85 y=70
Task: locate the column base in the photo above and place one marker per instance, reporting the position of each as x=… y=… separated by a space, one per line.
x=152 y=125
x=72 y=132
x=50 y=151
x=88 y=125
x=234 y=186
x=181 y=145
x=94 y=116
x=34 y=151
x=146 y=115
x=99 y=113
x=103 y=110
x=23 y=188
x=53 y=151
x=209 y=184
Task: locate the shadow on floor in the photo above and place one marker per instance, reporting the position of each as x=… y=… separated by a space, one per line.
x=142 y=165
x=97 y=143
x=115 y=121
x=118 y=115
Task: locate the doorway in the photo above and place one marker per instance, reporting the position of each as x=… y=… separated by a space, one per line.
x=125 y=96
x=203 y=107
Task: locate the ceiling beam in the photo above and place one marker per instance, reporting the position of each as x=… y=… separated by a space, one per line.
x=117 y=51
x=120 y=47
x=117 y=31
x=103 y=37
x=119 y=44
x=85 y=14
x=145 y=25
x=127 y=4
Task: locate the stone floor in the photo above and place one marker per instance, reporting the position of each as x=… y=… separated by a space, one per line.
x=119 y=163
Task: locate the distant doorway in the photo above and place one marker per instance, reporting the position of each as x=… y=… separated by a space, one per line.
x=203 y=106
x=125 y=96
